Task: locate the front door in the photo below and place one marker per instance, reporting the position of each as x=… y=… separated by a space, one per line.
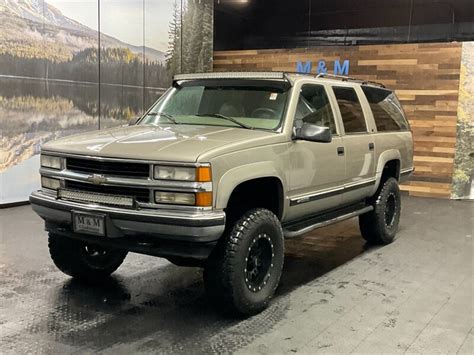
x=317 y=169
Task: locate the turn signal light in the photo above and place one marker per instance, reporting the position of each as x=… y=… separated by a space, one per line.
x=203 y=174
x=204 y=199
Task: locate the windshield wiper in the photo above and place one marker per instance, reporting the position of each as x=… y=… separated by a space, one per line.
x=231 y=119
x=169 y=116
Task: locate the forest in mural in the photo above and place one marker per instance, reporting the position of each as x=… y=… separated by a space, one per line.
x=190 y=38
x=463 y=175
x=54 y=68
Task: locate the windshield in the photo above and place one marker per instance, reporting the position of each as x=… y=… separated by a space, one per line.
x=248 y=104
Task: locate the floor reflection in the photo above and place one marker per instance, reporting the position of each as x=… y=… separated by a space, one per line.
x=166 y=308
x=318 y=252
x=151 y=305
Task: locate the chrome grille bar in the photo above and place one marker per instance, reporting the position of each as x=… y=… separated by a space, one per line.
x=122 y=181
x=127 y=169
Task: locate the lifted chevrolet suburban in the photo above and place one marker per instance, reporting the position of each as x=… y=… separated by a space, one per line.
x=220 y=171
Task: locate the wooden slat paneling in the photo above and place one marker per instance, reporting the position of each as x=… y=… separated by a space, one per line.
x=424 y=76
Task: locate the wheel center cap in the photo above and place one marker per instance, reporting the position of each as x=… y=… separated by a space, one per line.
x=259 y=262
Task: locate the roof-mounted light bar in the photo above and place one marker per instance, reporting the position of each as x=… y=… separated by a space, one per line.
x=230 y=75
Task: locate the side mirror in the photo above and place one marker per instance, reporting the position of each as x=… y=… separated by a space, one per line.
x=313 y=133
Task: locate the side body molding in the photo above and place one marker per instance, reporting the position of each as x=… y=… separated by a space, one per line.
x=235 y=176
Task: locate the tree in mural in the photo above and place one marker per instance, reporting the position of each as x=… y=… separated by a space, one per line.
x=119 y=66
x=190 y=37
x=173 y=54
x=464 y=163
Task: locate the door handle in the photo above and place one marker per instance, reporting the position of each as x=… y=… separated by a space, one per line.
x=371 y=146
x=340 y=150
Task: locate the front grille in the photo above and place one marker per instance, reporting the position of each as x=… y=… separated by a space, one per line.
x=126 y=169
x=139 y=194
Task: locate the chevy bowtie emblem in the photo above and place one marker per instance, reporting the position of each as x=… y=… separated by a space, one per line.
x=97 y=179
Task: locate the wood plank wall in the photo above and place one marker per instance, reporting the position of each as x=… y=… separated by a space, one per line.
x=426 y=80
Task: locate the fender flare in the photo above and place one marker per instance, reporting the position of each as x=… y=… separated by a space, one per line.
x=235 y=176
x=388 y=155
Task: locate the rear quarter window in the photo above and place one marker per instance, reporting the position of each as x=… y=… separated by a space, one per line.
x=387 y=111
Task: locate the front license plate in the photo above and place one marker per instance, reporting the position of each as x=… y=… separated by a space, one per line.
x=88 y=223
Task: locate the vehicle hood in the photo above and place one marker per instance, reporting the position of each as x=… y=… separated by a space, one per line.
x=183 y=143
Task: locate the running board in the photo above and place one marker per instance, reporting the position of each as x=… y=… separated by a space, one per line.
x=289 y=233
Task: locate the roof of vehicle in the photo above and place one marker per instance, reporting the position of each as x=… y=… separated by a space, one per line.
x=274 y=75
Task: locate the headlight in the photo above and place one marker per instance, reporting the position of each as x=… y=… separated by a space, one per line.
x=49 y=183
x=163 y=172
x=182 y=173
x=48 y=161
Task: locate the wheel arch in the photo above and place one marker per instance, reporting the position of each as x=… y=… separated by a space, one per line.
x=389 y=158
x=242 y=178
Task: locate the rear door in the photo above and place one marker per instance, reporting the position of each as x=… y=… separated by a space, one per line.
x=358 y=143
x=317 y=171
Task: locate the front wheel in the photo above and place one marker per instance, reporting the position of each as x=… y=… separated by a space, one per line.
x=83 y=260
x=380 y=225
x=244 y=270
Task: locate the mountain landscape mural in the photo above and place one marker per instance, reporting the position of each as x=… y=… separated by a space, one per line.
x=50 y=83
x=37 y=29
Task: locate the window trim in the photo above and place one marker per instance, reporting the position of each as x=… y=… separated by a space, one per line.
x=357 y=133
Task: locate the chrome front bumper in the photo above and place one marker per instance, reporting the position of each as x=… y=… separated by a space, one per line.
x=173 y=225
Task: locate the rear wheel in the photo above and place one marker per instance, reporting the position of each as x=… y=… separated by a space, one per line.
x=380 y=225
x=82 y=260
x=244 y=270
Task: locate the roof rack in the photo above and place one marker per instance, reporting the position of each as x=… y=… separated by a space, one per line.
x=348 y=78
x=269 y=75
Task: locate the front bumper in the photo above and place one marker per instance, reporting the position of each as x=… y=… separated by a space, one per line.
x=155 y=232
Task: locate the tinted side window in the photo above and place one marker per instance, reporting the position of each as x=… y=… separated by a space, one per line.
x=351 y=110
x=388 y=113
x=314 y=107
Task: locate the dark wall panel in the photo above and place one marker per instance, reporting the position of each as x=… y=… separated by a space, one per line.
x=292 y=24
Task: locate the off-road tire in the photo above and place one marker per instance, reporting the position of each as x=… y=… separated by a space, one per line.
x=73 y=257
x=380 y=225
x=226 y=274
